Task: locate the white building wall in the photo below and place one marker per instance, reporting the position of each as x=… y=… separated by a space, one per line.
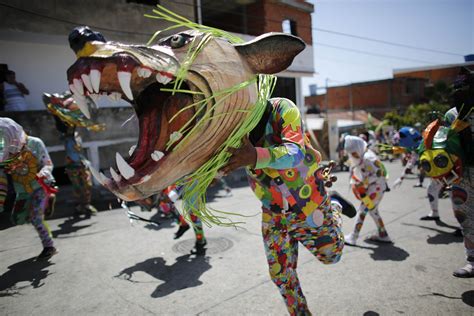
x=40 y=67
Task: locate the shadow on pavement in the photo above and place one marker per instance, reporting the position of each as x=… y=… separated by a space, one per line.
x=165 y=222
x=68 y=226
x=182 y=274
x=27 y=270
x=442 y=238
x=387 y=252
x=440 y=223
x=370 y=313
x=468 y=298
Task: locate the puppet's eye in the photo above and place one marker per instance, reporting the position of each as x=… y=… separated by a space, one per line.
x=177 y=41
x=425 y=164
x=441 y=161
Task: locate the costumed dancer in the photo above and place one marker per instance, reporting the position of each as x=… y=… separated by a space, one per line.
x=26 y=159
x=282 y=168
x=165 y=202
x=408 y=141
x=447 y=154
x=68 y=118
x=368 y=181
x=437 y=185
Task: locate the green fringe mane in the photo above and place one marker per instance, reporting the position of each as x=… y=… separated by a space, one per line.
x=195 y=185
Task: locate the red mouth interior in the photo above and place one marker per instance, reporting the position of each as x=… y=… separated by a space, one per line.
x=154 y=110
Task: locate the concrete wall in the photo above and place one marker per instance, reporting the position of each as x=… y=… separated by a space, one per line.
x=116 y=19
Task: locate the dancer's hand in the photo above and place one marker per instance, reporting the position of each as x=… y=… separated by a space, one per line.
x=246 y=155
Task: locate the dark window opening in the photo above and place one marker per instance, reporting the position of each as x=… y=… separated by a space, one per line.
x=411 y=86
x=285 y=88
x=289 y=27
x=145 y=2
x=238 y=16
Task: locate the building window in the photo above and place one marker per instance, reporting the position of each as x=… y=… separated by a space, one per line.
x=411 y=86
x=145 y=2
x=289 y=27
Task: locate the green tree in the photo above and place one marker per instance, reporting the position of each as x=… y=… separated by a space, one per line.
x=422 y=113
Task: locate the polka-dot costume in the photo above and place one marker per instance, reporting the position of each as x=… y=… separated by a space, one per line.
x=296 y=207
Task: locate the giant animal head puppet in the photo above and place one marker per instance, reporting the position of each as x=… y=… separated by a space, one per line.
x=441 y=153
x=446 y=147
x=195 y=94
x=67 y=111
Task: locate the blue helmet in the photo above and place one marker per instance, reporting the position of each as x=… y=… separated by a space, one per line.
x=409 y=137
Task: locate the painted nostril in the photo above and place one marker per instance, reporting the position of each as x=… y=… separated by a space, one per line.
x=81 y=35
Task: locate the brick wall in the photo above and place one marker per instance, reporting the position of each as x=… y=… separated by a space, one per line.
x=447 y=74
x=376 y=97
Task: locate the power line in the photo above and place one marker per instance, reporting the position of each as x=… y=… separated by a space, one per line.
x=344 y=34
x=386 y=42
x=376 y=54
x=149 y=34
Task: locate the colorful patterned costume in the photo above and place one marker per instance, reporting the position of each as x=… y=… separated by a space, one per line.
x=296 y=208
x=437 y=185
x=447 y=154
x=368 y=181
x=68 y=117
x=26 y=159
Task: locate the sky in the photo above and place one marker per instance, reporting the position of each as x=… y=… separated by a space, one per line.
x=440 y=25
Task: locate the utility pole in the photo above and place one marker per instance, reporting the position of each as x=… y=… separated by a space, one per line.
x=350 y=100
x=326 y=98
x=198 y=11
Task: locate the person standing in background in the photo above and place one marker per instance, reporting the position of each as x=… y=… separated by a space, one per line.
x=13 y=93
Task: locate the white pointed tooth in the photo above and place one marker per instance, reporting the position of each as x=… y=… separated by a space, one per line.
x=104 y=178
x=82 y=104
x=78 y=85
x=157 y=155
x=159 y=78
x=73 y=89
x=124 y=168
x=162 y=79
x=146 y=72
x=95 y=79
x=96 y=175
x=87 y=82
x=115 y=175
x=175 y=136
x=125 y=78
x=131 y=150
x=140 y=72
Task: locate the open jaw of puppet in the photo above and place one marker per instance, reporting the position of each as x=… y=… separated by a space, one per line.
x=140 y=80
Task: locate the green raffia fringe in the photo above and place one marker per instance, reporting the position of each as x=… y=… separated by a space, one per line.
x=196 y=184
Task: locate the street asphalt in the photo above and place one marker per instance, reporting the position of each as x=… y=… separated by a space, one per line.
x=108 y=266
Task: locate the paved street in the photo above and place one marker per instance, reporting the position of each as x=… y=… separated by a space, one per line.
x=106 y=266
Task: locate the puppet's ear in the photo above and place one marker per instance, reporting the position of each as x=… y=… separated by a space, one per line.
x=271 y=53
